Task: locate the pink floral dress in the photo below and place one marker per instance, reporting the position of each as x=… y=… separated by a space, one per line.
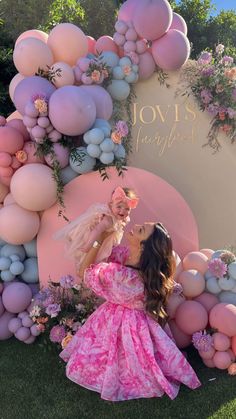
x=120 y=351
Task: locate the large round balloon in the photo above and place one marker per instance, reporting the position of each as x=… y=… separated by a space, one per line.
x=223 y=318
x=33 y=187
x=196 y=260
x=14 y=82
x=182 y=339
x=67 y=43
x=19 y=125
x=72 y=111
x=179 y=23
x=152 y=18
x=18 y=225
x=191 y=317
x=11 y=140
x=193 y=283
x=146 y=65
x=171 y=51
x=207 y=300
x=64 y=74
x=105 y=43
x=30 y=87
x=102 y=100
x=4 y=320
x=33 y=33
x=30 y=55
x=16 y=297
x=126 y=12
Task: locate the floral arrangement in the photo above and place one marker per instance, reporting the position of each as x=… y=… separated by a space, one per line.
x=202 y=341
x=60 y=310
x=212 y=80
x=221 y=266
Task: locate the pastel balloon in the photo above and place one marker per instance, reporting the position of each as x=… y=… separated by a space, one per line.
x=121 y=27
x=141 y=46
x=60 y=154
x=67 y=174
x=14 y=115
x=72 y=111
x=83 y=63
x=30 y=54
x=38 y=179
x=213 y=286
x=171 y=51
x=27 y=321
x=231 y=354
x=207 y=252
x=28 y=88
x=7 y=276
x=30 y=273
x=3 y=192
x=232 y=269
x=23 y=333
x=227 y=284
x=119 y=39
x=110 y=58
x=233 y=344
x=16 y=267
x=5 y=263
x=22 y=314
x=126 y=12
x=30 y=149
x=30 y=340
x=221 y=341
x=102 y=100
x=222 y=360
x=16 y=297
x=182 y=339
x=33 y=33
x=18 y=225
x=2 y=309
x=19 y=126
x=64 y=74
x=105 y=43
x=193 y=283
x=173 y=303
x=227 y=297
x=152 y=18
x=84 y=163
x=106 y=158
x=196 y=260
x=191 y=317
x=8 y=250
x=179 y=23
x=209 y=363
x=119 y=89
x=14 y=324
x=31 y=248
x=11 y=140
x=223 y=318
x=34 y=330
x=14 y=82
x=207 y=300
x=67 y=43
x=91 y=44
x=146 y=65
x=4 y=320
x=207 y=354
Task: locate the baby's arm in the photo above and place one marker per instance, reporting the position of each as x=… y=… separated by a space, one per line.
x=102 y=226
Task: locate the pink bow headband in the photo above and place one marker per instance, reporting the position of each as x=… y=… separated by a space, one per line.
x=119 y=195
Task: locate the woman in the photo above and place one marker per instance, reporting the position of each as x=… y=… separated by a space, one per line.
x=125 y=349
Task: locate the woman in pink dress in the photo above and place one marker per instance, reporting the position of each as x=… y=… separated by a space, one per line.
x=125 y=349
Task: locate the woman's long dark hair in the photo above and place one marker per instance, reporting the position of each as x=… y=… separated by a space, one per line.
x=157 y=266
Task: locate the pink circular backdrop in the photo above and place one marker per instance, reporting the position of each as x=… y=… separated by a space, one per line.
x=159 y=201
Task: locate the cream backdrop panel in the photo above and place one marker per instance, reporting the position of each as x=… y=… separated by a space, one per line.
x=168 y=135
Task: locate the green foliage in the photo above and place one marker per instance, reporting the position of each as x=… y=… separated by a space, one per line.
x=100 y=17
x=7 y=72
x=61 y=11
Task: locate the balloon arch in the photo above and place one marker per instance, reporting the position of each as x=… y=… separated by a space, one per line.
x=72 y=95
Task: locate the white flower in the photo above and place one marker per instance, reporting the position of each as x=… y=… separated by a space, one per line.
x=80 y=307
x=219 y=48
x=35 y=312
x=77 y=287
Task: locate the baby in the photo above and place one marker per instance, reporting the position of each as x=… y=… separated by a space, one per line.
x=82 y=233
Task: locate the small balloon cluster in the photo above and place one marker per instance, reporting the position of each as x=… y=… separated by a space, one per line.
x=91 y=70
x=127 y=38
x=18 y=261
x=15 y=305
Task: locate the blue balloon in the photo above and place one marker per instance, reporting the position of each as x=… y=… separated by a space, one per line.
x=82 y=162
x=132 y=77
x=103 y=125
x=95 y=135
x=5 y=263
x=119 y=89
x=30 y=274
x=11 y=249
x=7 y=276
x=14 y=258
x=17 y=268
x=31 y=248
x=135 y=68
x=67 y=174
x=120 y=152
x=118 y=73
x=107 y=158
x=125 y=61
x=110 y=58
x=107 y=145
x=94 y=150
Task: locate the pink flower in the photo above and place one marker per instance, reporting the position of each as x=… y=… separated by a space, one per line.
x=122 y=128
x=57 y=334
x=95 y=76
x=177 y=289
x=205 y=58
x=67 y=281
x=217 y=267
x=202 y=341
x=206 y=96
x=116 y=137
x=232 y=369
x=127 y=69
x=53 y=309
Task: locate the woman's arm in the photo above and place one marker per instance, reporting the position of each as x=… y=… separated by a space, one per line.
x=91 y=255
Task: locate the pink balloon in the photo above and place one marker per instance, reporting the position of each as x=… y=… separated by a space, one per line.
x=34 y=330
x=67 y=43
x=14 y=82
x=27 y=321
x=4 y=320
x=191 y=317
x=207 y=252
x=233 y=344
x=141 y=46
x=91 y=44
x=152 y=18
x=24 y=313
x=179 y=23
x=18 y=124
x=1 y=288
x=105 y=43
x=5 y=159
x=231 y=354
x=207 y=300
x=33 y=33
x=171 y=51
x=17 y=225
x=182 y=340
x=16 y=297
x=173 y=303
x=66 y=75
x=146 y=65
x=3 y=121
x=15 y=163
x=222 y=360
x=6 y=171
x=3 y=192
x=30 y=340
x=30 y=54
x=38 y=179
x=11 y=140
x=207 y=354
x=30 y=149
x=83 y=63
x=223 y=318
x=119 y=39
x=61 y=154
x=102 y=100
x=14 y=324
x=30 y=87
x=193 y=283
x=71 y=110
x=2 y=309
x=221 y=341
x=8 y=200
x=14 y=115
x=23 y=333
x=196 y=260
x=127 y=10
x=209 y=363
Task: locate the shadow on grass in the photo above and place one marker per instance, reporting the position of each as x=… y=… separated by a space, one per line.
x=33 y=385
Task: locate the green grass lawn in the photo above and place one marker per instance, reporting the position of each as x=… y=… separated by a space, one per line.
x=33 y=385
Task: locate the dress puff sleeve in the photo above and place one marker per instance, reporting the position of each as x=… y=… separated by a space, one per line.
x=116 y=283
x=119 y=254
